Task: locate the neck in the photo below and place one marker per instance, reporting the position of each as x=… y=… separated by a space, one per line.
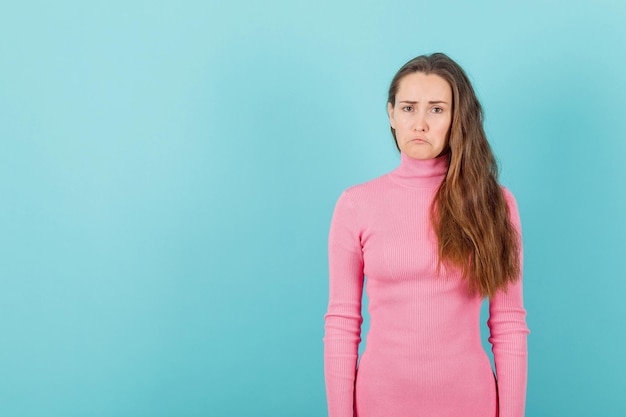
x=421 y=173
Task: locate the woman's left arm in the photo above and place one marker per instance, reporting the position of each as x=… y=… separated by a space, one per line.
x=507 y=324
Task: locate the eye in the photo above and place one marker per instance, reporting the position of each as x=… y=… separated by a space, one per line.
x=407 y=108
x=437 y=110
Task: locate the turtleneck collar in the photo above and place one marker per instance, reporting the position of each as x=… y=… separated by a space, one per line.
x=421 y=173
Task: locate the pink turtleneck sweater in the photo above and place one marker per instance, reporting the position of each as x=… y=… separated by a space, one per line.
x=423 y=356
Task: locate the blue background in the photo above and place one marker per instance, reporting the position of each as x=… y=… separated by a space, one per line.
x=168 y=171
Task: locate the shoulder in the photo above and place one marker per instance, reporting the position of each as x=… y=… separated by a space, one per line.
x=366 y=190
x=508 y=197
x=511 y=203
x=361 y=198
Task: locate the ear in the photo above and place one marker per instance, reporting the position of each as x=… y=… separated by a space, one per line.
x=390 y=111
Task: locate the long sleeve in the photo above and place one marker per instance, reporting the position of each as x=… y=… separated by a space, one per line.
x=343 y=318
x=507 y=324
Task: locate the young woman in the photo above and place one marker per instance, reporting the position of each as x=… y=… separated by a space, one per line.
x=434 y=237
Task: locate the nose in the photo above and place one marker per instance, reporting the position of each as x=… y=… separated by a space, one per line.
x=419 y=122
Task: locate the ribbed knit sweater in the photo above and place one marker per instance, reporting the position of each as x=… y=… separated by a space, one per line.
x=423 y=355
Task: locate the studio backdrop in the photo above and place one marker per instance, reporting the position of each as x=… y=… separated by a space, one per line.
x=168 y=172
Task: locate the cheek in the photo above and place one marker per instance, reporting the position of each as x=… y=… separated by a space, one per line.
x=445 y=129
x=443 y=134
x=397 y=124
x=404 y=122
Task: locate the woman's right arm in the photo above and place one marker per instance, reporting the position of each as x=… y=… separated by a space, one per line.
x=343 y=318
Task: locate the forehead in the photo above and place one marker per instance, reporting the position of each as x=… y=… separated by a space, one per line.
x=418 y=85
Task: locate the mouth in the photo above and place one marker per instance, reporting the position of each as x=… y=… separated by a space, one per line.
x=418 y=140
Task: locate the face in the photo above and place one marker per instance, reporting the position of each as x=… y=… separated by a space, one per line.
x=422 y=115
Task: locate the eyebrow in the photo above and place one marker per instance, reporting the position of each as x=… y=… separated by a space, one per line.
x=430 y=102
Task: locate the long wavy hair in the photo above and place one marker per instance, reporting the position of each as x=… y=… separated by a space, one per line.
x=469 y=213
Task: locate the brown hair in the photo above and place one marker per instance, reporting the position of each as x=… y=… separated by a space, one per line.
x=469 y=213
